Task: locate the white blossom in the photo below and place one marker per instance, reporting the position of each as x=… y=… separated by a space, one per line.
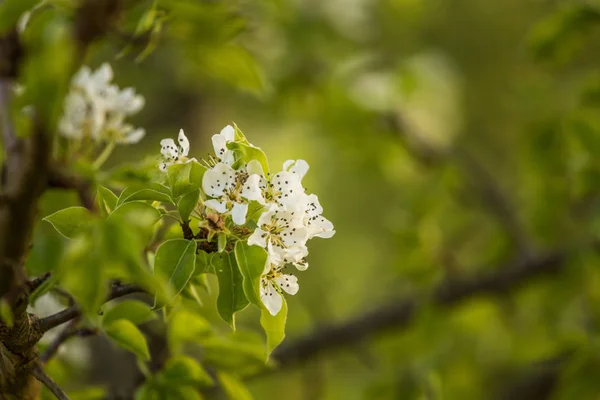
x=272 y=285
x=283 y=234
x=284 y=189
x=220 y=141
x=231 y=191
x=96 y=109
x=318 y=226
x=174 y=153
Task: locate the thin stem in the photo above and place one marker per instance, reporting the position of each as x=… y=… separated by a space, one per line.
x=104 y=155
x=39 y=374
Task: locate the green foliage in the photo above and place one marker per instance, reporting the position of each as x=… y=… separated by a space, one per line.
x=11 y=11
x=251 y=261
x=71 y=222
x=187 y=204
x=274 y=327
x=233 y=387
x=125 y=334
x=231 y=293
x=133 y=311
x=174 y=264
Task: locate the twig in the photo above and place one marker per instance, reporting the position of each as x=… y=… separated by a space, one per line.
x=69 y=332
x=400 y=314
x=39 y=281
x=39 y=374
x=52 y=321
x=59 y=179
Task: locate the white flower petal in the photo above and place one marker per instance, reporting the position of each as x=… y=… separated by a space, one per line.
x=321 y=227
x=296 y=167
x=293 y=237
x=228 y=133
x=103 y=75
x=251 y=189
x=271 y=298
x=184 y=143
x=217 y=180
x=163 y=166
x=133 y=136
x=168 y=149
x=218 y=206
x=258 y=238
x=255 y=167
x=287 y=283
x=238 y=213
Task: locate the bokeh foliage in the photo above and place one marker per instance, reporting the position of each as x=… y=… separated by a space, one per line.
x=398 y=106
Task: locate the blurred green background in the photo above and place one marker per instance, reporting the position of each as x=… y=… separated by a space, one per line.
x=445 y=139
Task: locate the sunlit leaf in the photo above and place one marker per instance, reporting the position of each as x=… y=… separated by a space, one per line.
x=231 y=293
x=274 y=326
x=251 y=261
x=134 y=311
x=128 y=336
x=71 y=221
x=175 y=263
x=233 y=387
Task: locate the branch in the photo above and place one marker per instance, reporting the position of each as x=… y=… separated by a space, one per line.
x=39 y=374
x=59 y=179
x=400 y=314
x=69 y=332
x=52 y=321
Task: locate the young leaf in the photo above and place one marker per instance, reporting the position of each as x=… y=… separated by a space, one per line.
x=134 y=311
x=231 y=293
x=203 y=264
x=247 y=152
x=183 y=370
x=179 y=178
x=221 y=242
x=251 y=261
x=185 y=326
x=196 y=174
x=187 y=203
x=233 y=387
x=107 y=198
x=133 y=194
x=274 y=327
x=136 y=214
x=175 y=263
x=127 y=335
x=71 y=221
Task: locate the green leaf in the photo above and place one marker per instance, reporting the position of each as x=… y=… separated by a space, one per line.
x=136 y=214
x=187 y=203
x=196 y=174
x=6 y=314
x=107 y=198
x=203 y=264
x=179 y=178
x=83 y=273
x=90 y=393
x=184 y=370
x=247 y=153
x=185 y=326
x=147 y=392
x=133 y=194
x=71 y=221
x=129 y=337
x=231 y=293
x=241 y=351
x=221 y=242
x=233 y=387
x=11 y=11
x=175 y=263
x=134 y=311
x=251 y=261
x=274 y=326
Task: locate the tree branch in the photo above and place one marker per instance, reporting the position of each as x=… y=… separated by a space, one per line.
x=52 y=321
x=69 y=332
x=59 y=179
x=39 y=374
x=399 y=314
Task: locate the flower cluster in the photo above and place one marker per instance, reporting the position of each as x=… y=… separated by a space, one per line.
x=289 y=216
x=96 y=110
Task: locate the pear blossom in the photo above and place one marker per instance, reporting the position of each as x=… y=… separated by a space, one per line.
x=317 y=225
x=272 y=285
x=174 y=153
x=220 y=141
x=231 y=191
x=283 y=189
x=96 y=109
x=282 y=233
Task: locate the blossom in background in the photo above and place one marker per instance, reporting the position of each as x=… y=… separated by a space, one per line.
x=272 y=285
x=231 y=191
x=96 y=110
x=174 y=153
